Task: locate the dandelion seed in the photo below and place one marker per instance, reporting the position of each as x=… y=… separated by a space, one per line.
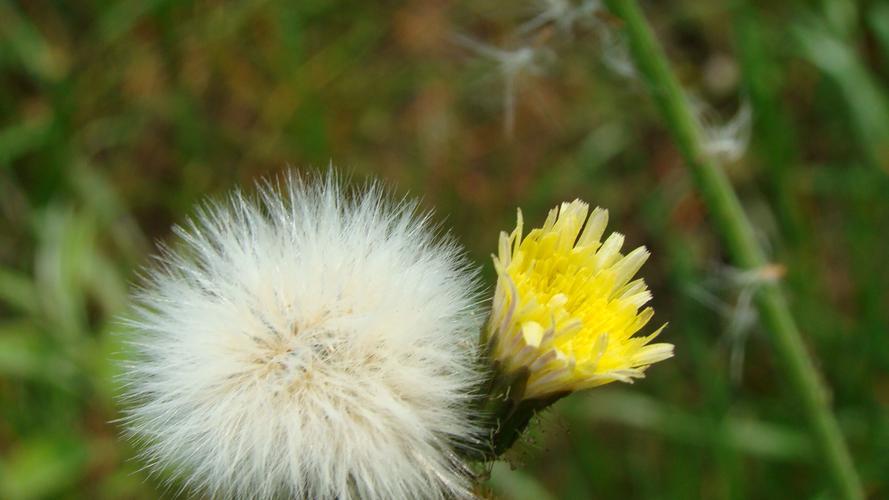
x=615 y=53
x=741 y=319
x=741 y=315
x=769 y=273
x=566 y=306
x=512 y=66
x=564 y=14
x=727 y=141
x=311 y=343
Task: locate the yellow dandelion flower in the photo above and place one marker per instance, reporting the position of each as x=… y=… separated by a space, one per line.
x=565 y=308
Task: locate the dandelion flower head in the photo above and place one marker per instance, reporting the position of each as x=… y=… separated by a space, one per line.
x=566 y=306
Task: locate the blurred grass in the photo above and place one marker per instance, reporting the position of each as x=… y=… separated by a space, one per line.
x=115 y=118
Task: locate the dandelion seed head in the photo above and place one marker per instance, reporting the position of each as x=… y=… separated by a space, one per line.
x=306 y=343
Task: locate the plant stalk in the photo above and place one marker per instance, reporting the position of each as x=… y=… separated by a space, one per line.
x=738 y=236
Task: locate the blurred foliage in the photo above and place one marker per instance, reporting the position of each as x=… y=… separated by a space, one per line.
x=116 y=117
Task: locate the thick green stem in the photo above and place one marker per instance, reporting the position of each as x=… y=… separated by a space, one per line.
x=737 y=233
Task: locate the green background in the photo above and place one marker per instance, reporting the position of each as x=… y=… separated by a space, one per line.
x=117 y=117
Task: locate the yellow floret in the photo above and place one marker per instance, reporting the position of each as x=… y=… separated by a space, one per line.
x=565 y=307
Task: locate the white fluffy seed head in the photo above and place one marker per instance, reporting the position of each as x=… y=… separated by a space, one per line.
x=309 y=343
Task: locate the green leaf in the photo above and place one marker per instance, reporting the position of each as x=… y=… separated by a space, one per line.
x=18 y=291
x=43 y=467
x=21 y=138
x=20 y=37
x=513 y=484
x=25 y=352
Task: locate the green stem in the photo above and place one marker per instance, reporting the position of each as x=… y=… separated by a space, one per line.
x=737 y=233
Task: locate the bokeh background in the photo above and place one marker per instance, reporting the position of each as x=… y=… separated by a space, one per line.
x=117 y=117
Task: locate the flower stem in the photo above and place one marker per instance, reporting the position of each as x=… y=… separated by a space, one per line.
x=737 y=233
